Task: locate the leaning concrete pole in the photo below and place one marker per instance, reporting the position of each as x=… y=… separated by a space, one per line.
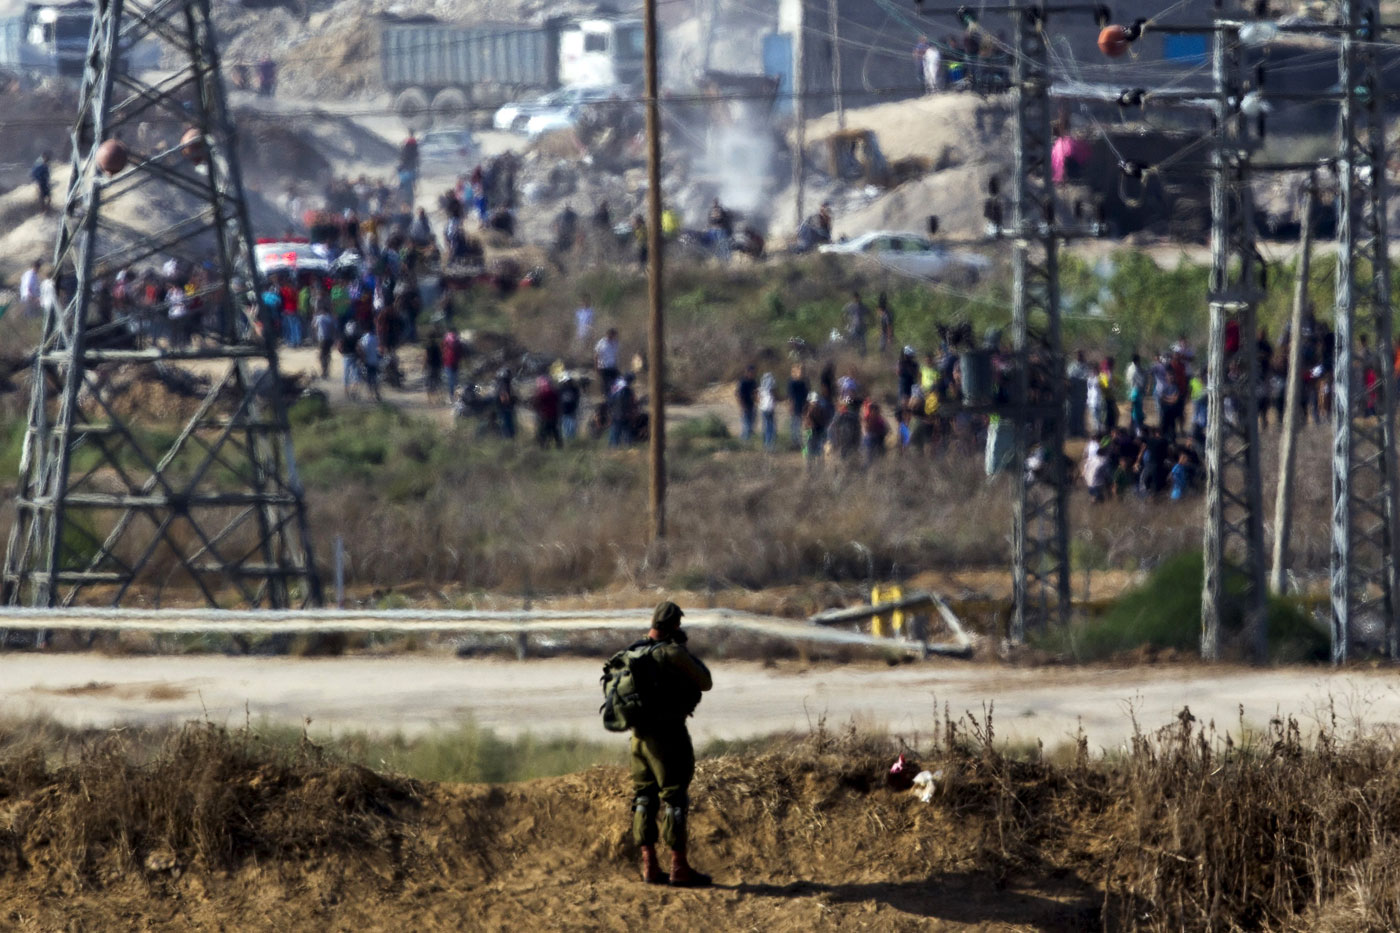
x=1292 y=404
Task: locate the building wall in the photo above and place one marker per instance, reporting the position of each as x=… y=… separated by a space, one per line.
x=877 y=38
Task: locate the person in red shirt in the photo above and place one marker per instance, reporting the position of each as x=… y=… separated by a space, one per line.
x=873 y=429
x=546 y=405
x=291 y=320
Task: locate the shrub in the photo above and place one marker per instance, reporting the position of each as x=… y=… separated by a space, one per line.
x=1165 y=613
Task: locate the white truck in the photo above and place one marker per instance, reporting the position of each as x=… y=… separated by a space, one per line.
x=440 y=73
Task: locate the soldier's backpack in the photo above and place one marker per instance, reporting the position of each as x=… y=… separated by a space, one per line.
x=631 y=688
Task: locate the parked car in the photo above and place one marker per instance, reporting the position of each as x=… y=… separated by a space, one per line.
x=562 y=118
x=293 y=256
x=912 y=254
x=516 y=116
x=449 y=145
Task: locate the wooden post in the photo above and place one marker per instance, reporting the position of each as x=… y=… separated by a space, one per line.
x=656 y=345
x=1288 y=448
x=339 y=572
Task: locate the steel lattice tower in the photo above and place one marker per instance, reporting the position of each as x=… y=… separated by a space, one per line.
x=1363 y=450
x=106 y=502
x=1040 y=543
x=1234 y=498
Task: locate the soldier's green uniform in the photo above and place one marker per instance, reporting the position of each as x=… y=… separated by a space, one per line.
x=663 y=760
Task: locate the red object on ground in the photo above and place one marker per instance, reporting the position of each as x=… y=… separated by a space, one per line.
x=112 y=156
x=1113 y=41
x=901 y=774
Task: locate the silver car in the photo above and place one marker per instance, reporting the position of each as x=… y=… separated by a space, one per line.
x=447 y=145
x=912 y=254
x=516 y=116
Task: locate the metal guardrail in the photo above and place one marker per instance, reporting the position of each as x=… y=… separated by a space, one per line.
x=482 y=622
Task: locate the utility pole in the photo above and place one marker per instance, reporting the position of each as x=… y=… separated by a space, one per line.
x=1040 y=528
x=1363 y=571
x=218 y=507
x=1292 y=402
x=1040 y=571
x=838 y=91
x=799 y=116
x=1234 y=506
x=656 y=330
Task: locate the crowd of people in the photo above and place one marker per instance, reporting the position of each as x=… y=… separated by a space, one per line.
x=1143 y=428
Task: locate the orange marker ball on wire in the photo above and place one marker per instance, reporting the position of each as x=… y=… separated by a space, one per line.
x=1113 y=41
x=112 y=156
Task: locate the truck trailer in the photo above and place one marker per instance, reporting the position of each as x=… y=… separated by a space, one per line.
x=440 y=72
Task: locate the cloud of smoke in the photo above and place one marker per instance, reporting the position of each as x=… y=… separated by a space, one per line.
x=738 y=161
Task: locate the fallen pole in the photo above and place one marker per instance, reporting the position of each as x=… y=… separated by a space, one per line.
x=861 y=613
x=960 y=647
x=486 y=622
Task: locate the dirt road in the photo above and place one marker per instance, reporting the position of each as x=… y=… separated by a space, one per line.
x=415 y=693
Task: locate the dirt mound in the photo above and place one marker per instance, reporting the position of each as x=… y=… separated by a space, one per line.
x=1185 y=830
x=965 y=139
x=207 y=801
x=30 y=235
x=946 y=128
x=214 y=834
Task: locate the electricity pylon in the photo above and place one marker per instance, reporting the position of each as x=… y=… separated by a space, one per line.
x=111 y=506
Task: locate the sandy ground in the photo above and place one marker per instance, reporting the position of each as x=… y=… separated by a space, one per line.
x=414 y=694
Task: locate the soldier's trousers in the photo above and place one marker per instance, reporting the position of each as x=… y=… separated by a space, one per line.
x=662 y=766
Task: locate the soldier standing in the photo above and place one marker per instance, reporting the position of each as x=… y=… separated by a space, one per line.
x=663 y=760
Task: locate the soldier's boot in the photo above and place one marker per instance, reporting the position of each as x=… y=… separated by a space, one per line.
x=651 y=868
x=683 y=876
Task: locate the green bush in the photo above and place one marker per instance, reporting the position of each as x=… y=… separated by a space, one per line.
x=1165 y=613
x=711 y=426
x=309 y=409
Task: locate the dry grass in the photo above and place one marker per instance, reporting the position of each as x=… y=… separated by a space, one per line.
x=203 y=797
x=1186 y=828
x=515 y=520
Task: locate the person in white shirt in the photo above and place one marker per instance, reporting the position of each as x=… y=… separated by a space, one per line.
x=583 y=322
x=369 y=356
x=30 y=289
x=1097 y=406
x=178 y=310
x=48 y=294
x=1137 y=392
x=605 y=355
x=767 y=410
x=933 y=70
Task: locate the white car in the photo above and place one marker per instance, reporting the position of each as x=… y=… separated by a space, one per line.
x=291 y=256
x=516 y=116
x=562 y=118
x=913 y=254
x=456 y=146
